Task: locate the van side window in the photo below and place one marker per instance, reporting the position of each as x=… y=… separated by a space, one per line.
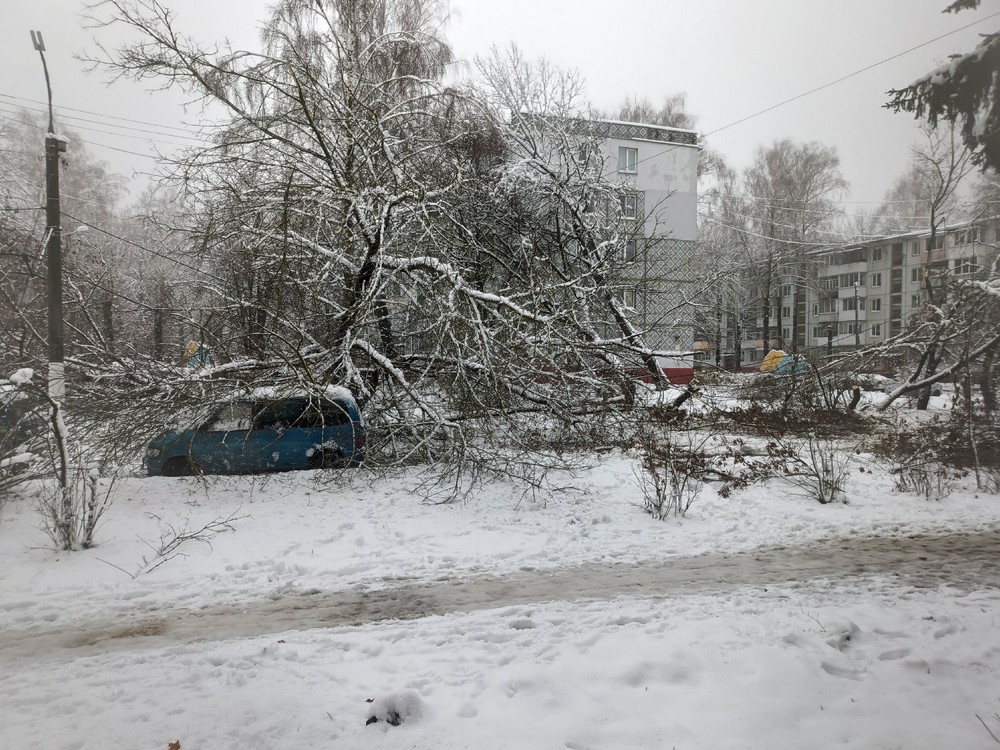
x=235 y=416
x=274 y=414
x=325 y=414
x=302 y=413
x=335 y=413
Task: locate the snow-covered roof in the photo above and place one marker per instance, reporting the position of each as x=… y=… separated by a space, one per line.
x=648 y=125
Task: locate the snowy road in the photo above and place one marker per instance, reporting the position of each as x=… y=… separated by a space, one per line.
x=964 y=561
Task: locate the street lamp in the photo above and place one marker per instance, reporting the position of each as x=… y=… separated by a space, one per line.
x=53 y=245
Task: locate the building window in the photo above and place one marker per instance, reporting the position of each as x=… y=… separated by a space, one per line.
x=968 y=236
x=848 y=303
x=915 y=249
x=628 y=158
x=786 y=312
x=876 y=279
x=938 y=242
x=628 y=298
x=628 y=251
x=629 y=206
x=877 y=330
x=876 y=255
x=786 y=290
x=875 y=304
x=915 y=300
x=827 y=305
x=915 y=275
x=850 y=279
x=965 y=266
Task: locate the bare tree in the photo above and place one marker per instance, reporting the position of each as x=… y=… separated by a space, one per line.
x=939 y=165
x=958 y=329
x=727 y=240
x=451 y=256
x=791 y=198
x=89 y=195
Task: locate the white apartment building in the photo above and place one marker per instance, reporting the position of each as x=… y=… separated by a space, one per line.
x=867 y=292
x=861 y=294
x=659 y=166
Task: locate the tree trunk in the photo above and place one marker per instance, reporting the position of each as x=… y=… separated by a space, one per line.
x=778 y=321
x=932 y=364
x=767 y=323
x=855 y=398
x=986 y=385
x=159 y=343
x=107 y=316
x=795 y=320
x=737 y=344
x=718 y=334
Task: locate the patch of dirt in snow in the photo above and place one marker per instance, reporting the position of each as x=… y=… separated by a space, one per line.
x=964 y=561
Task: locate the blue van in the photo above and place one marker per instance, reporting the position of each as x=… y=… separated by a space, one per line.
x=265 y=433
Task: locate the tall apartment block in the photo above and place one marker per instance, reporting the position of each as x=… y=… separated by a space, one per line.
x=659 y=167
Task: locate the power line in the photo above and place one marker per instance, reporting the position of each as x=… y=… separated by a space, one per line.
x=107 y=132
x=172 y=258
x=857 y=72
x=844 y=236
x=154 y=157
x=88 y=142
x=789 y=209
x=99 y=114
x=816 y=245
x=114 y=125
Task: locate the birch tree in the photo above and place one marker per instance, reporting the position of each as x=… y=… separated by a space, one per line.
x=939 y=165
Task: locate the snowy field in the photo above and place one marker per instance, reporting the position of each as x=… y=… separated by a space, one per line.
x=115 y=647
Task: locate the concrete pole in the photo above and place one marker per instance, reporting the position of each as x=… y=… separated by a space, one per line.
x=53 y=243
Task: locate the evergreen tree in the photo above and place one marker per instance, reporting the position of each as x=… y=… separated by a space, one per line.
x=965 y=91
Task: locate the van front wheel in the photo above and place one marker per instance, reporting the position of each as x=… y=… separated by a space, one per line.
x=181 y=466
x=327 y=459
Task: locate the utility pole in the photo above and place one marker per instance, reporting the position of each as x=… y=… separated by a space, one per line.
x=53 y=242
x=829 y=340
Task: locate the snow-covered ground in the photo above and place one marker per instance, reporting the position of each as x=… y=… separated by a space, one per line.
x=115 y=647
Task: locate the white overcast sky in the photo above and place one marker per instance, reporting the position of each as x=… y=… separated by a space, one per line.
x=732 y=59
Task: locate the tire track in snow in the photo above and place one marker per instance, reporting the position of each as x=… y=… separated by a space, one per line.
x=965 y=561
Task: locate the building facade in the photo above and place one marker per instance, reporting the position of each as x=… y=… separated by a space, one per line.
x=858 y=295
x=658 y=166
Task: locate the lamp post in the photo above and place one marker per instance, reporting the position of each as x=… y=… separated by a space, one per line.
x=53 y=242
x=857 y=329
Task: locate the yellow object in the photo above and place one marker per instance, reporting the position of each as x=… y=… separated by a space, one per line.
x=189 y=351
x=772 y=360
